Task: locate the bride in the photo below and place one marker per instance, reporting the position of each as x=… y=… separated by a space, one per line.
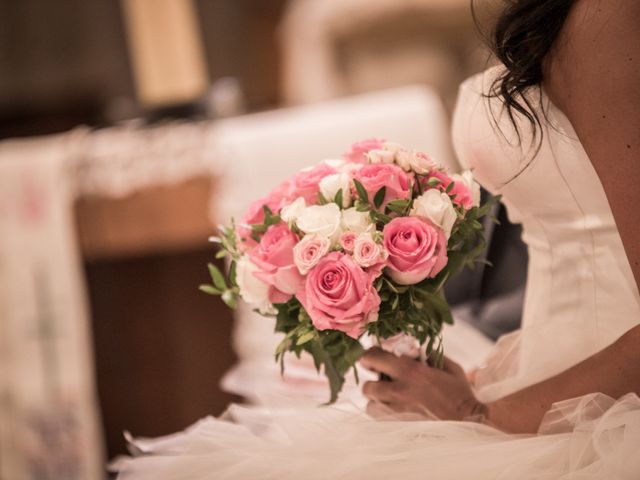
x=556 y=130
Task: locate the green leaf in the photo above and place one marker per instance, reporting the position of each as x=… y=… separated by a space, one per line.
x=338 y=198
x=322 y=357
x=379 y=197
x=233 y=273
x=362 y=192
x=391 y=285
x=380 y=217
x=230 y=299
x=210 y=289
x=283 y=346
x=307 y=337
x=322 y=200
x=354 y=351
x=450 y=187
x=402 y=203
x=221 y=254
x=430 y=345
x=434 y=182
x=355 y=374
x=399 y=206
x=362 y=207
x=336 y=381
x=259 y=227
x=217 y=277
x=287 y=317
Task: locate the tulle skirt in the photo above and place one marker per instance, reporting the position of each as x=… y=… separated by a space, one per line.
x=591 y=437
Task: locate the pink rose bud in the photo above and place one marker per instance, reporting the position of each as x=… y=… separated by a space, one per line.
x=274 y=258
x=309 y=251
x=439 y=174
x=339 y=295
x=306 y=183
x=347 y=241
x=466 y=191
x=275 y=200
x=357 y=152
x=392 y=177
x=421 y=163
x=417 y=249
x=367 y=253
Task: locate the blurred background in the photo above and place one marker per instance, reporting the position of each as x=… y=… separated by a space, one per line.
x=129 y=129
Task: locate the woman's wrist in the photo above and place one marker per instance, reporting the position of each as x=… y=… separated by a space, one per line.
x=474 y=410
x=495 y=415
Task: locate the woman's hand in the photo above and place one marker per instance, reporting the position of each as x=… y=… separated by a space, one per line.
x=416 y=387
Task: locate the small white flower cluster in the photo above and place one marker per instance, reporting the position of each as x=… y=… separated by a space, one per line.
x=408 y=160
x=325 y=227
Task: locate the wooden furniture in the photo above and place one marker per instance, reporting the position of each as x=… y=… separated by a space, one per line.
x=161 y=346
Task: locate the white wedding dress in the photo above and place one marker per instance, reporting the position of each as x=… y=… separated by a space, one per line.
x=581 y=296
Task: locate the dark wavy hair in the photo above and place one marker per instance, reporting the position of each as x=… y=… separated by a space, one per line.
x=521 y=37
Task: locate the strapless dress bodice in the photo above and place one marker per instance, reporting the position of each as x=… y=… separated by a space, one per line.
x=581 y=294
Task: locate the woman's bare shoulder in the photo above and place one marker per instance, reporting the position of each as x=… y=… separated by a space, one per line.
x=593 y=76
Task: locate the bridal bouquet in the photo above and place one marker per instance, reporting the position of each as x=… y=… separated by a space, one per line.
x=357 y=246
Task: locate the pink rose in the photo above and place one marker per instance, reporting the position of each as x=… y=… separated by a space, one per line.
x=374 y=177
x=466 y=190
x=339 y=295
x=306 y=183
x=274 y=258
x=367 y=253
x=357 y=152
x=417 y=249
x=441 y=175
x=347 y=241
x=275 y=200
x=309 y=251
x=463 y=194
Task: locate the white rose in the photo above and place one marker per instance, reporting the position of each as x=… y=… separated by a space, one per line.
x=321 y=220
x=403 y=159
x=291 y=212
x=355 y=221
x=330 y=185
x=252 y=290
x=401 y=155
x=467 y=179
x=437 y=207
x=421 y=163
x=380 y=156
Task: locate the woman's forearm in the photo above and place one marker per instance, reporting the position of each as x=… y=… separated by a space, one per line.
x=613 y=371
